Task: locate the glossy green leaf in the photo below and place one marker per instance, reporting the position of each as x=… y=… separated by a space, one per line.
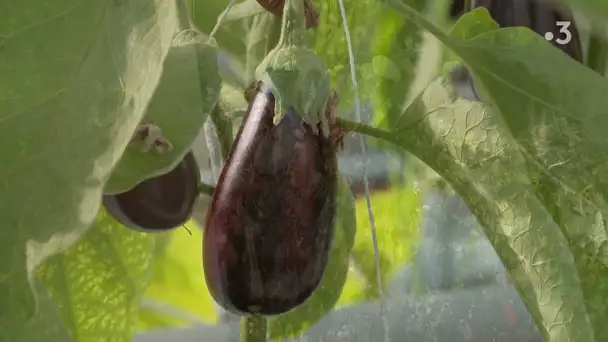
x=294 y=323
x=97 y=284
x=75 y=80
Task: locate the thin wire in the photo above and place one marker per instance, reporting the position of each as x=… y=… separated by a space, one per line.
x=220 y=19
x=370 y=213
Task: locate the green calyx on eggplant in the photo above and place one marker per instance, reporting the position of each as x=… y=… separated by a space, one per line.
x=541 y=16
x=295 y=73
x=160 y=203
x=270 y=225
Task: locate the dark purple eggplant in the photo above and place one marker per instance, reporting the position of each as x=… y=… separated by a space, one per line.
x=160 y=203
x=270 y=226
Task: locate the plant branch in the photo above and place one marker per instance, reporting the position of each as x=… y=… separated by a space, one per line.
x=253 y=329
x=206 y=189
x=223 y=126
x=220 y=19
x=352 y=126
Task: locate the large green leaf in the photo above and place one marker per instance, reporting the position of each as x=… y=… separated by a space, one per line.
x=75 y=80
x=302 y=318
x=97 y=284
x=531 y=165
x=187 y=92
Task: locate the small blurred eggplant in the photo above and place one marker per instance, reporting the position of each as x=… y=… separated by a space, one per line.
x=541 y=16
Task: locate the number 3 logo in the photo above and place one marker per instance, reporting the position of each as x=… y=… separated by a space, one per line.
x=563 y=25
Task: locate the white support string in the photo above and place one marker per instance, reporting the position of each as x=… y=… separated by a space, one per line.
x=362 y=140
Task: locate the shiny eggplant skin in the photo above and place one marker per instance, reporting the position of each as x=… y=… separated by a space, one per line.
x=541 y=16
x=270 y=226
x=160 y=203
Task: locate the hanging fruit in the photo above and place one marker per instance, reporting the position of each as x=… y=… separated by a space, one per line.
x=269 y=229
x=160 y=203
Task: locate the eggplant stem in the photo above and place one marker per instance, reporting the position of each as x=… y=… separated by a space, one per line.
x=362 y=140
x=293 y=27
x=206 y=189
x=223 y=126
x=253 y=329
x=218 y=137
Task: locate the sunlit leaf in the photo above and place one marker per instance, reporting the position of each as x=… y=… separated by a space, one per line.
x=98 y=283
x=76 y=78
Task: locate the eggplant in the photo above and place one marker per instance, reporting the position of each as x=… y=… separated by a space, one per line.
x=270 y=225
x=541 y=16
x=161 y=203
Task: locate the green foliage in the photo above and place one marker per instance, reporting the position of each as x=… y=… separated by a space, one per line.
x=244 y=38
x=98 y=282
x=397 y=217
x=76 y=78
x=394 y=63
x=524 y=164
x=179 y=107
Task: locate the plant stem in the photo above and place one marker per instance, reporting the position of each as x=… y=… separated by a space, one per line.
x=223 y=127
x=293 y=27
x=220 y=19
x=206 y=189
x=352 y=126
x=253 y=329
x=597 y=55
